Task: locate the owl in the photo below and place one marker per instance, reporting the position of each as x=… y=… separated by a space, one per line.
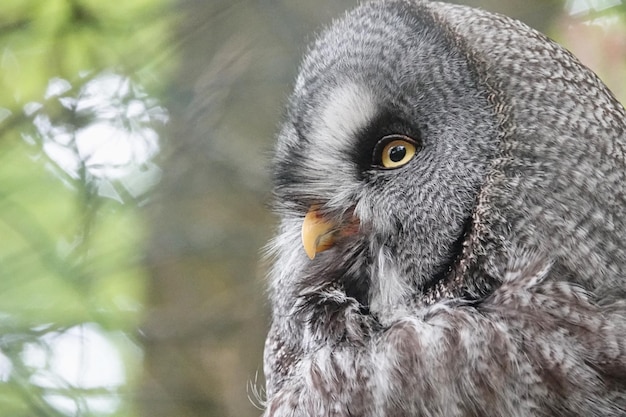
x=451 y=189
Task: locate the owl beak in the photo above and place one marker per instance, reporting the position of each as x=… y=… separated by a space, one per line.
x=318 y=234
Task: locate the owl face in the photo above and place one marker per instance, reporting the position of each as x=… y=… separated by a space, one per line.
x=379 y=163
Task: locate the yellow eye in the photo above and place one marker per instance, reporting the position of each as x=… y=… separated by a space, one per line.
x=394 y=151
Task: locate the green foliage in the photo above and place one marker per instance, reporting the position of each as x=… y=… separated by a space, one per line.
x=43 y=39
x=78 y=123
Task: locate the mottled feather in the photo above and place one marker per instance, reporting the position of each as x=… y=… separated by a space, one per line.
x=486 y=276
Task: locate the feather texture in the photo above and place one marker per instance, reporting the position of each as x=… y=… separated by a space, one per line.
x=486 y=275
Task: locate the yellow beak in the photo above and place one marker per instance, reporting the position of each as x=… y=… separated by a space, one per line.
x=318 y=234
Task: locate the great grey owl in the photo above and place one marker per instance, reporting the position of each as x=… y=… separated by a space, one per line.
x=457 y=181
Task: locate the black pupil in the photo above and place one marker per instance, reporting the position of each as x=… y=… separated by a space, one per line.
x=397 y=153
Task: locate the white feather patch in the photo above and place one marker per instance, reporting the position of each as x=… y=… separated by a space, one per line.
x=389 y=291
x=348 y=109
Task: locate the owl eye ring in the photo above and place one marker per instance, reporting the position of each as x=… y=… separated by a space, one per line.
x=394 y=151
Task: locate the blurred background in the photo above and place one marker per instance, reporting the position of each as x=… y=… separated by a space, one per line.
x=134 y=179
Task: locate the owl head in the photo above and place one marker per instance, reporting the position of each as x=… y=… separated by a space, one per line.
x=425 y=143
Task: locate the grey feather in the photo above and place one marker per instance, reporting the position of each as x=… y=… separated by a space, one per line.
x=487 y=274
